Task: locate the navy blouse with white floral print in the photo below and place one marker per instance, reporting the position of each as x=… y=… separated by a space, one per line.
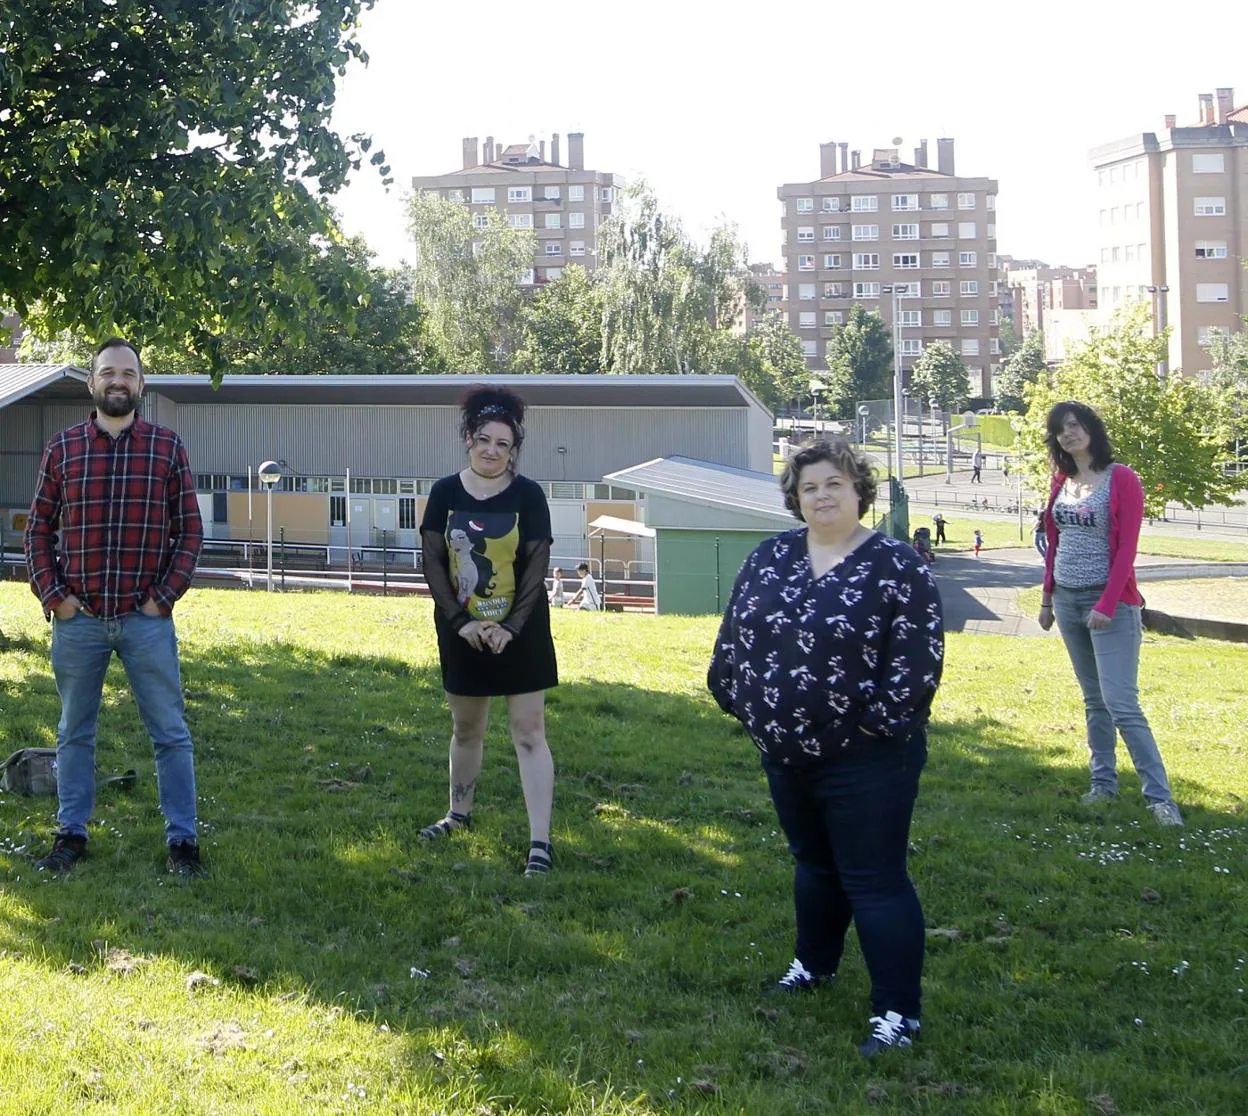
x=807 y=664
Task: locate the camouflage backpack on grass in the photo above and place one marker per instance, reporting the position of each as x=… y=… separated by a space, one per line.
x=30 y=771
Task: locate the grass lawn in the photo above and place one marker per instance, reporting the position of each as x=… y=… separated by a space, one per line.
x=1078 y=962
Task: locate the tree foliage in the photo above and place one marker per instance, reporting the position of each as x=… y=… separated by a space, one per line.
x=153 y=154
x=778 y=372
x=940 y=373
x=1165 y=429
x=860 y=361
x=1228 y=380
x=469 y=278
x=561 y=327
x=1024 y=367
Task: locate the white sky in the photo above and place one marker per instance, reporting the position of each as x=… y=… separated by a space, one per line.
x=718 y=103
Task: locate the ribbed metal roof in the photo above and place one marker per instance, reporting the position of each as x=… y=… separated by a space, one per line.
x=51 y=381
x=538 y=391
x=707 y=485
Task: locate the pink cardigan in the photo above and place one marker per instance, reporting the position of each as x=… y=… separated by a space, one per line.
x=1126 y=513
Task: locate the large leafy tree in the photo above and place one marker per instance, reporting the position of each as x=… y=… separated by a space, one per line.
x=939 y=373
x=860 y=361
x=1025 y=366
x=1228 y=379
x=1165 y=428
x=776 y=352
x=152 y=153
x=470 y=279
x=561 y=327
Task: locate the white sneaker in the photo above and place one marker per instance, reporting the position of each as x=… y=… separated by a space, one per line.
x=1166 y=813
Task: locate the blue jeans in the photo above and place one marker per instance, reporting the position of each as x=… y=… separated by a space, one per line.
x=1107 y=665
x=148 y=648
x=848 y=826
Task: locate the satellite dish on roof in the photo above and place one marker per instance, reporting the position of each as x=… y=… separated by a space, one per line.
x=896 y=141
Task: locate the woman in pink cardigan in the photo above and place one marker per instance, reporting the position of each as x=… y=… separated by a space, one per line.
x=1093 y=528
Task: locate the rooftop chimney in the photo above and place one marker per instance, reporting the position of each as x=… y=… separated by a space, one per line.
x=827 y=159
x=488 y=157
x=922 y=161
x=856 y=156
x=944 y=156
x=554 y=149
x=576 y=150
x=541 y=150
x=470 y=151
x=1206 y=108
x=1169 y=121
x=844 y=157
x=1226 y=104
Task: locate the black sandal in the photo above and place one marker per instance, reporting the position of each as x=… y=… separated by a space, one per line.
x=446 y=826
x=541 y=858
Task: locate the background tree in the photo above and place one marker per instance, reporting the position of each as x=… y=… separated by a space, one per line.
x=860 y=361
x=939 y=373
x=1228 y=380
x=469 y=279
x=561 y=327
x=153 y=154
x=1025 y=367
x=1007 y=334
x=1164 y=429
x=776 y=353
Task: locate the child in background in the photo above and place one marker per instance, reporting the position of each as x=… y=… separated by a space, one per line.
x=979 y=542
x=587 y=595
x=556 y=588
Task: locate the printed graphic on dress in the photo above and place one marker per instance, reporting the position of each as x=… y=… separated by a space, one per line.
x=483 y=548
x=1074 y=515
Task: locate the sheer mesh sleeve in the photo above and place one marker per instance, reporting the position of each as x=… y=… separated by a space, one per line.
x=532 y=588
x=437 y=562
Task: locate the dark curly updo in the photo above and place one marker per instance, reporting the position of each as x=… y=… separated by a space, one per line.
x=492 y=404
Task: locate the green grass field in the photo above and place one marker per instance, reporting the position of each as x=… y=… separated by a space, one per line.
x=1078 y=963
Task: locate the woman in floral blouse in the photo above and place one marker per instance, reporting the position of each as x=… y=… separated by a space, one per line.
x=829 y=654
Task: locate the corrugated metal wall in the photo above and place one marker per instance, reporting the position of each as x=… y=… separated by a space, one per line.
x=25 y=429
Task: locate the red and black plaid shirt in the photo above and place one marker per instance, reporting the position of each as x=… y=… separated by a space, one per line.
x=127 y=515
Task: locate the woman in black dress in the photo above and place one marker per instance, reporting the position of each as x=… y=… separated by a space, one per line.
x=486 y=538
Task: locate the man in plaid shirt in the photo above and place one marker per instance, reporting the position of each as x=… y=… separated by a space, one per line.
x=120 y=493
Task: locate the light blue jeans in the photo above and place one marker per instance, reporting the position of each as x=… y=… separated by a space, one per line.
x=1107 y=665
x=148 y=648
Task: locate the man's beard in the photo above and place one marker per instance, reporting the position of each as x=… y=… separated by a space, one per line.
x=115 y=404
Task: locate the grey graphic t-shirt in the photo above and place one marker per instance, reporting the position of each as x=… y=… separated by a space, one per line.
x=1082 y=560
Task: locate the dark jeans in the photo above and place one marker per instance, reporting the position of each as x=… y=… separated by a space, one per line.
x=848 y=826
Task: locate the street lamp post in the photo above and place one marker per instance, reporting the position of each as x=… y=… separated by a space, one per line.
x=1159 y=325
x=895 y=290
x=270 y=472
x=863 y=412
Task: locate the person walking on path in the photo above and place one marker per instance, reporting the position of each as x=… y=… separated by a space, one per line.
x=487 y=538
x=1005 y=466
x=1038 y=538
x=939 y=520
x=1092 y=524
x=829 y=654
x=977 y=467
x=119 y=493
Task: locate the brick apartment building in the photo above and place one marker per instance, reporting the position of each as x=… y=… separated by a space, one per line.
x=888 y=233
x=562 y=205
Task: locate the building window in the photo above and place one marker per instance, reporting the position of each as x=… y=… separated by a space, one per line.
x=1104 y=255
x=576 y=220
x=990 y=232
x=906 y=260
x=910 y=347
x=576 y=193
x=831 y=261
x=990 y=202
x=994 y=346
x=1212 y=292
x=806 y=232
x=605 y=194
x=942 y=317
x=940 y=230
x=938 y=201
x=805 y=292
x=994 y=317
x=519 y=194
x=455 y=195
x=970 y=317
x=483 y=195
x=940 y=288
x=966 y=201
x=576 y=248
x=970 y=346
x=992 y=287
x=864 y=203
x=805 y=205
x=866 y=232
x=1210 y=207
x=1114 y=254
x=905 y=202
x=1211 y=249
x=905 y=232
x=480 y=221
x=833 y=317
x=910 y=319
x=553 y=273
x=1208 y=164
x=809 y=348
x=337 y=511
x=940 y=259
x=554 y=248
x=554 y=220
x=517 y=220
x=968 y=287
x=831 y=232
x=834 y=290
x=830 y=205
x=806 y=319
x=552 y=193
x=907 y=290
x=407 y=513
x=968 y=259
x=805 y=263
x=526 y=278
x=992 y=260
x=866 y=261
x=966 y=230
x=866 y=290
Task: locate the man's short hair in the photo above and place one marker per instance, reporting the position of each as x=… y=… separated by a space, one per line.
x=117 y=343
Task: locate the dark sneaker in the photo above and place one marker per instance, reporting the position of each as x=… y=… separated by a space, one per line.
x=800 y=979
x=67 y=850
x=1098 y=795
x=1166 y=813
x=888 y=1031
x=184 y=860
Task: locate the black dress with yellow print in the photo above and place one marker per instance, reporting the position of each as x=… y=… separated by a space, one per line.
x=494 y=552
